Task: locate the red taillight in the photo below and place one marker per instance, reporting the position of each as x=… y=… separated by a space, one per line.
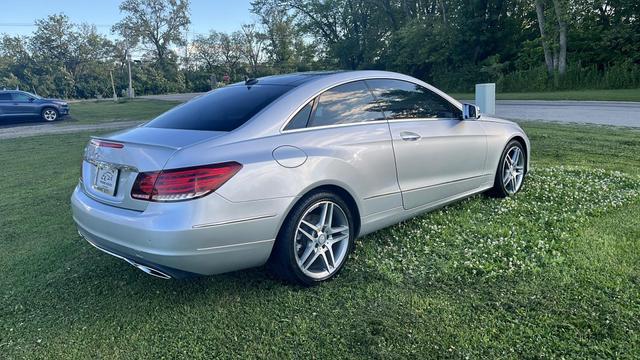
x=108 y=144
x=182 y=184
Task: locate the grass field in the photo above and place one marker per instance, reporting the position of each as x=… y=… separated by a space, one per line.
x=552 y=272
x=91 y=112
x=590 y=95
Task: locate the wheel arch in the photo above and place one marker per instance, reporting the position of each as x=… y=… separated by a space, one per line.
x=337 y=189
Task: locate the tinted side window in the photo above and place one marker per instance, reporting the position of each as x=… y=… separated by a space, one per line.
x=20 y=97
x=5 y=96
x=404 y=100
x=224 y=109
x=301 y=119
x=345 y=104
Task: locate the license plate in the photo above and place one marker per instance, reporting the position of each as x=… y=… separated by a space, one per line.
x=106 y=179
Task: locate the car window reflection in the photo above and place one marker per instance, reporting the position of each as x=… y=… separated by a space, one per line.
x=403 y=100
x=344 y=104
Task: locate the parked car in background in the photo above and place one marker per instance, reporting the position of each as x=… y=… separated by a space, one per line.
x=291 y=169
x=19 y=104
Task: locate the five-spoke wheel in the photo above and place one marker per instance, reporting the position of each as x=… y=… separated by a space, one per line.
x=49 y=114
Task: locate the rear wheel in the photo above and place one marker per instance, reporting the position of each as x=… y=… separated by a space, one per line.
x=49 y=114
x=511 y=170
x=315 y=240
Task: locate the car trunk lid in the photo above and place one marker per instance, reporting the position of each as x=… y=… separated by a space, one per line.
x=111 y=163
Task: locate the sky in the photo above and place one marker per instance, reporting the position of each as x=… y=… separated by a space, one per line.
x=17 y=17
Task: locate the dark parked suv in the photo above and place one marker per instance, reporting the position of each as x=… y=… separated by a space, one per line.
x=15 y=103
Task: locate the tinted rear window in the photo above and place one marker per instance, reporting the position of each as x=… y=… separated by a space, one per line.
x=224 y=109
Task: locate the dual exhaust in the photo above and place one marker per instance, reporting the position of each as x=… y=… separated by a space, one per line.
x=146 y=269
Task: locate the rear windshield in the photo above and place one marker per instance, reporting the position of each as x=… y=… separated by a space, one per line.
x=224 y=109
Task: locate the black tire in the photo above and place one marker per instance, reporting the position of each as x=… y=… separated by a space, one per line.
x=282 y=262
x=499 y=190
x=49 y=114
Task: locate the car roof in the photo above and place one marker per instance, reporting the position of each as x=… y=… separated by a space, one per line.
x=292 y=79
x=263 y=123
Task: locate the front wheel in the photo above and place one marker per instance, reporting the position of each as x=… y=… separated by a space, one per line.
x=511 y=170
x=49 y=114
x=315 y=240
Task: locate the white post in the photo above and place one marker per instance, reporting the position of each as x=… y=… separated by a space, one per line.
x=130 y=93
x=486 y=98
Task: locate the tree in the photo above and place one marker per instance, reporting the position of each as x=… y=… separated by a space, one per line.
x=15 y=60
x=206 y=50
x=69 y=60
x=548 y=59
x=562 y=36
x=558 y=59
x=230 y=51
x=251 y=46
x=279 y=30
x=155 y=23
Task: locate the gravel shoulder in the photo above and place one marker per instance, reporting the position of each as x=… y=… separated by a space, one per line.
x=47 y=129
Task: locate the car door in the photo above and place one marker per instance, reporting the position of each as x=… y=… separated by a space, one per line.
x=23 y=105
x=347 y=139
x=438 y=155
x=6 y=102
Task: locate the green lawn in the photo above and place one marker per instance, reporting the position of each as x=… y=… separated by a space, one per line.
x=552 y=272
x=593 y=95
x=90 y=112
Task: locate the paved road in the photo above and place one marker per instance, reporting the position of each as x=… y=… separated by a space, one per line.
x=172 y=97
x=588 y=112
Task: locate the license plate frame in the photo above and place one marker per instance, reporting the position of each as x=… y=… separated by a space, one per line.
x=106 y=179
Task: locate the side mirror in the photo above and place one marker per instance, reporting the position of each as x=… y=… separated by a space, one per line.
x=470 y=111
x=31 y=99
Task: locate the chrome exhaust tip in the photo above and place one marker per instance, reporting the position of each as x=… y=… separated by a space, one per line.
x=147 y=270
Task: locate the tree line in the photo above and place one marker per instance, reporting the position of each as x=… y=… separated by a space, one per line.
x=522 y=45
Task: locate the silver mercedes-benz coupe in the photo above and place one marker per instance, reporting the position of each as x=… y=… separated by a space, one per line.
x=288 y=170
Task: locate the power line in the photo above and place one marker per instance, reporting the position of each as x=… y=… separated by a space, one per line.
x=34 y=25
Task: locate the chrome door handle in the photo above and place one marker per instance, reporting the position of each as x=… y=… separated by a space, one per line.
x=409 y=136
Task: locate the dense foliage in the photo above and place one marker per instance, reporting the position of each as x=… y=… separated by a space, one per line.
x=522 y=45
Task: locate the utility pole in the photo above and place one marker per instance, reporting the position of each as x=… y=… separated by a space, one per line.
x=130 y=92
x=186 y=57
x=113 y=87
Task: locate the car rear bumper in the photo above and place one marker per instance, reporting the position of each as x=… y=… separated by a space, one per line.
x=170 y=238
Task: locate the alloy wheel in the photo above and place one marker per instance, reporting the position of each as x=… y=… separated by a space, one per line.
x=513 y=170
x=322 y=240
x=49 y=114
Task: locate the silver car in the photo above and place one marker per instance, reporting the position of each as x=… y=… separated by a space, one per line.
x=288 y=170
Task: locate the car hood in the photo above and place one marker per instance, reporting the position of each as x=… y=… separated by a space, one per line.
x=487 y=118
x=55 y=101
